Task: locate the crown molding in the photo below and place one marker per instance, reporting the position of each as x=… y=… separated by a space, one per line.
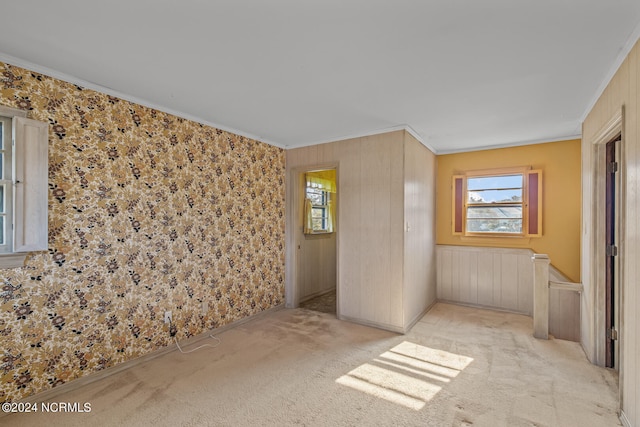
x=511 y=144
x=364 y=134
x=18 y=62
x=622 y=55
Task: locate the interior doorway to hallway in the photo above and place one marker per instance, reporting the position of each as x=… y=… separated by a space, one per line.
x=316 y=239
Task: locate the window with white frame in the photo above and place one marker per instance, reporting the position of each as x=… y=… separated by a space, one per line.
x=495 y=204
x=319 y=215
x=320 y=202
x=500 y=202
x=23 y=187
x=6 y=186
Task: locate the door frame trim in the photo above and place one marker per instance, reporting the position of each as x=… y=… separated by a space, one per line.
x=596 y=234
x=294 y=232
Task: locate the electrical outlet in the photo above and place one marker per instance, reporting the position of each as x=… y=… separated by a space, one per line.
x=167 y=317
x=205 y=308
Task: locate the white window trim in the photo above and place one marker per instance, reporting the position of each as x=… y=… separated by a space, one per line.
x=326 y=217
x=491 y=173
x=30 y=187
x=490 y=237
x=6 y=180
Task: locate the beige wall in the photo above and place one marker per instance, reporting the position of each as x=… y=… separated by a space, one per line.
x=371 y=232
x=622 y=91
x=420 y=237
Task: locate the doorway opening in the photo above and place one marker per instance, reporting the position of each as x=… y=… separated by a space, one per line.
x=316 y=235
x=612 y=298
x=603 y=322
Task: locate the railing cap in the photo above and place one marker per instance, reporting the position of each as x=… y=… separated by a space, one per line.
x=540 y=257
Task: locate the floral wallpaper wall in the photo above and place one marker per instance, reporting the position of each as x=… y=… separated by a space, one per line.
x=148 y=212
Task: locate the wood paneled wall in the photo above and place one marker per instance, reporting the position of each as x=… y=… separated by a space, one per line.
x=622 y=92
x=419 y=243
x=317 y=273
x=371 y=227
x=564 y=310
x=492 y=277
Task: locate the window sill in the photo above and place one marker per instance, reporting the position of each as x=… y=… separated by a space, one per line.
x=14 y=260
x=319 y=234
x=493 y=239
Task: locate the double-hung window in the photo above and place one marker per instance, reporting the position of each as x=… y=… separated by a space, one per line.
x=320 y=188
x=320 y=209
x=23 y=187
x=498 y=203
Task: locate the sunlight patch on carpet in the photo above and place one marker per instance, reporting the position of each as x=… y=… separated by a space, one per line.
x=409 y=374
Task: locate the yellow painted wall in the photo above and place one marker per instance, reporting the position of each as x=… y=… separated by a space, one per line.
x=560 y=164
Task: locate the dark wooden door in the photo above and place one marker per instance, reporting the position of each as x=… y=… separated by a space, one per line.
x=611 y=252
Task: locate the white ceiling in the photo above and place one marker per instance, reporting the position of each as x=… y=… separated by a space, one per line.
x=461 y=74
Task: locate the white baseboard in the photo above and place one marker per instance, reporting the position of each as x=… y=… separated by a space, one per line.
x=484 y=307
x=383 y=326
x=419 y=316
x=624 y=420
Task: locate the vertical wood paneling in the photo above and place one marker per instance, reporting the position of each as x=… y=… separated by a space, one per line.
x=622 y=90
x=419 y=238
x=497 y=280
x=509 y=294
x=370 y=225
x=326 y=153
x=455 y=276
x=473 y=277
x=445 y=270
x=350 y=228
x=317 y=266
x=586 y=321
x=562 y=326
x=485 y=279
x=492 y=277
x=525 y=285
x=370 y=236
x=395 y=249
x=631 y=303
x=464 y=278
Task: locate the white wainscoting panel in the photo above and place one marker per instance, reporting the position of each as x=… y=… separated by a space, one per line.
x=492 y=277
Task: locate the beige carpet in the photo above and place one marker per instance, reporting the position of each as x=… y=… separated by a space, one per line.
x=458 y=367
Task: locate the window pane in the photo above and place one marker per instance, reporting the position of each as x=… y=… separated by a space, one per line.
x=2 y=230
x=319 y=219
x=2 y=199
x=495 y=196
x=1 y=136
x=494 y=182
x=315 y=196
x=317 y=212
x=2 y=166
x=494 y=225
x=490 y=212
